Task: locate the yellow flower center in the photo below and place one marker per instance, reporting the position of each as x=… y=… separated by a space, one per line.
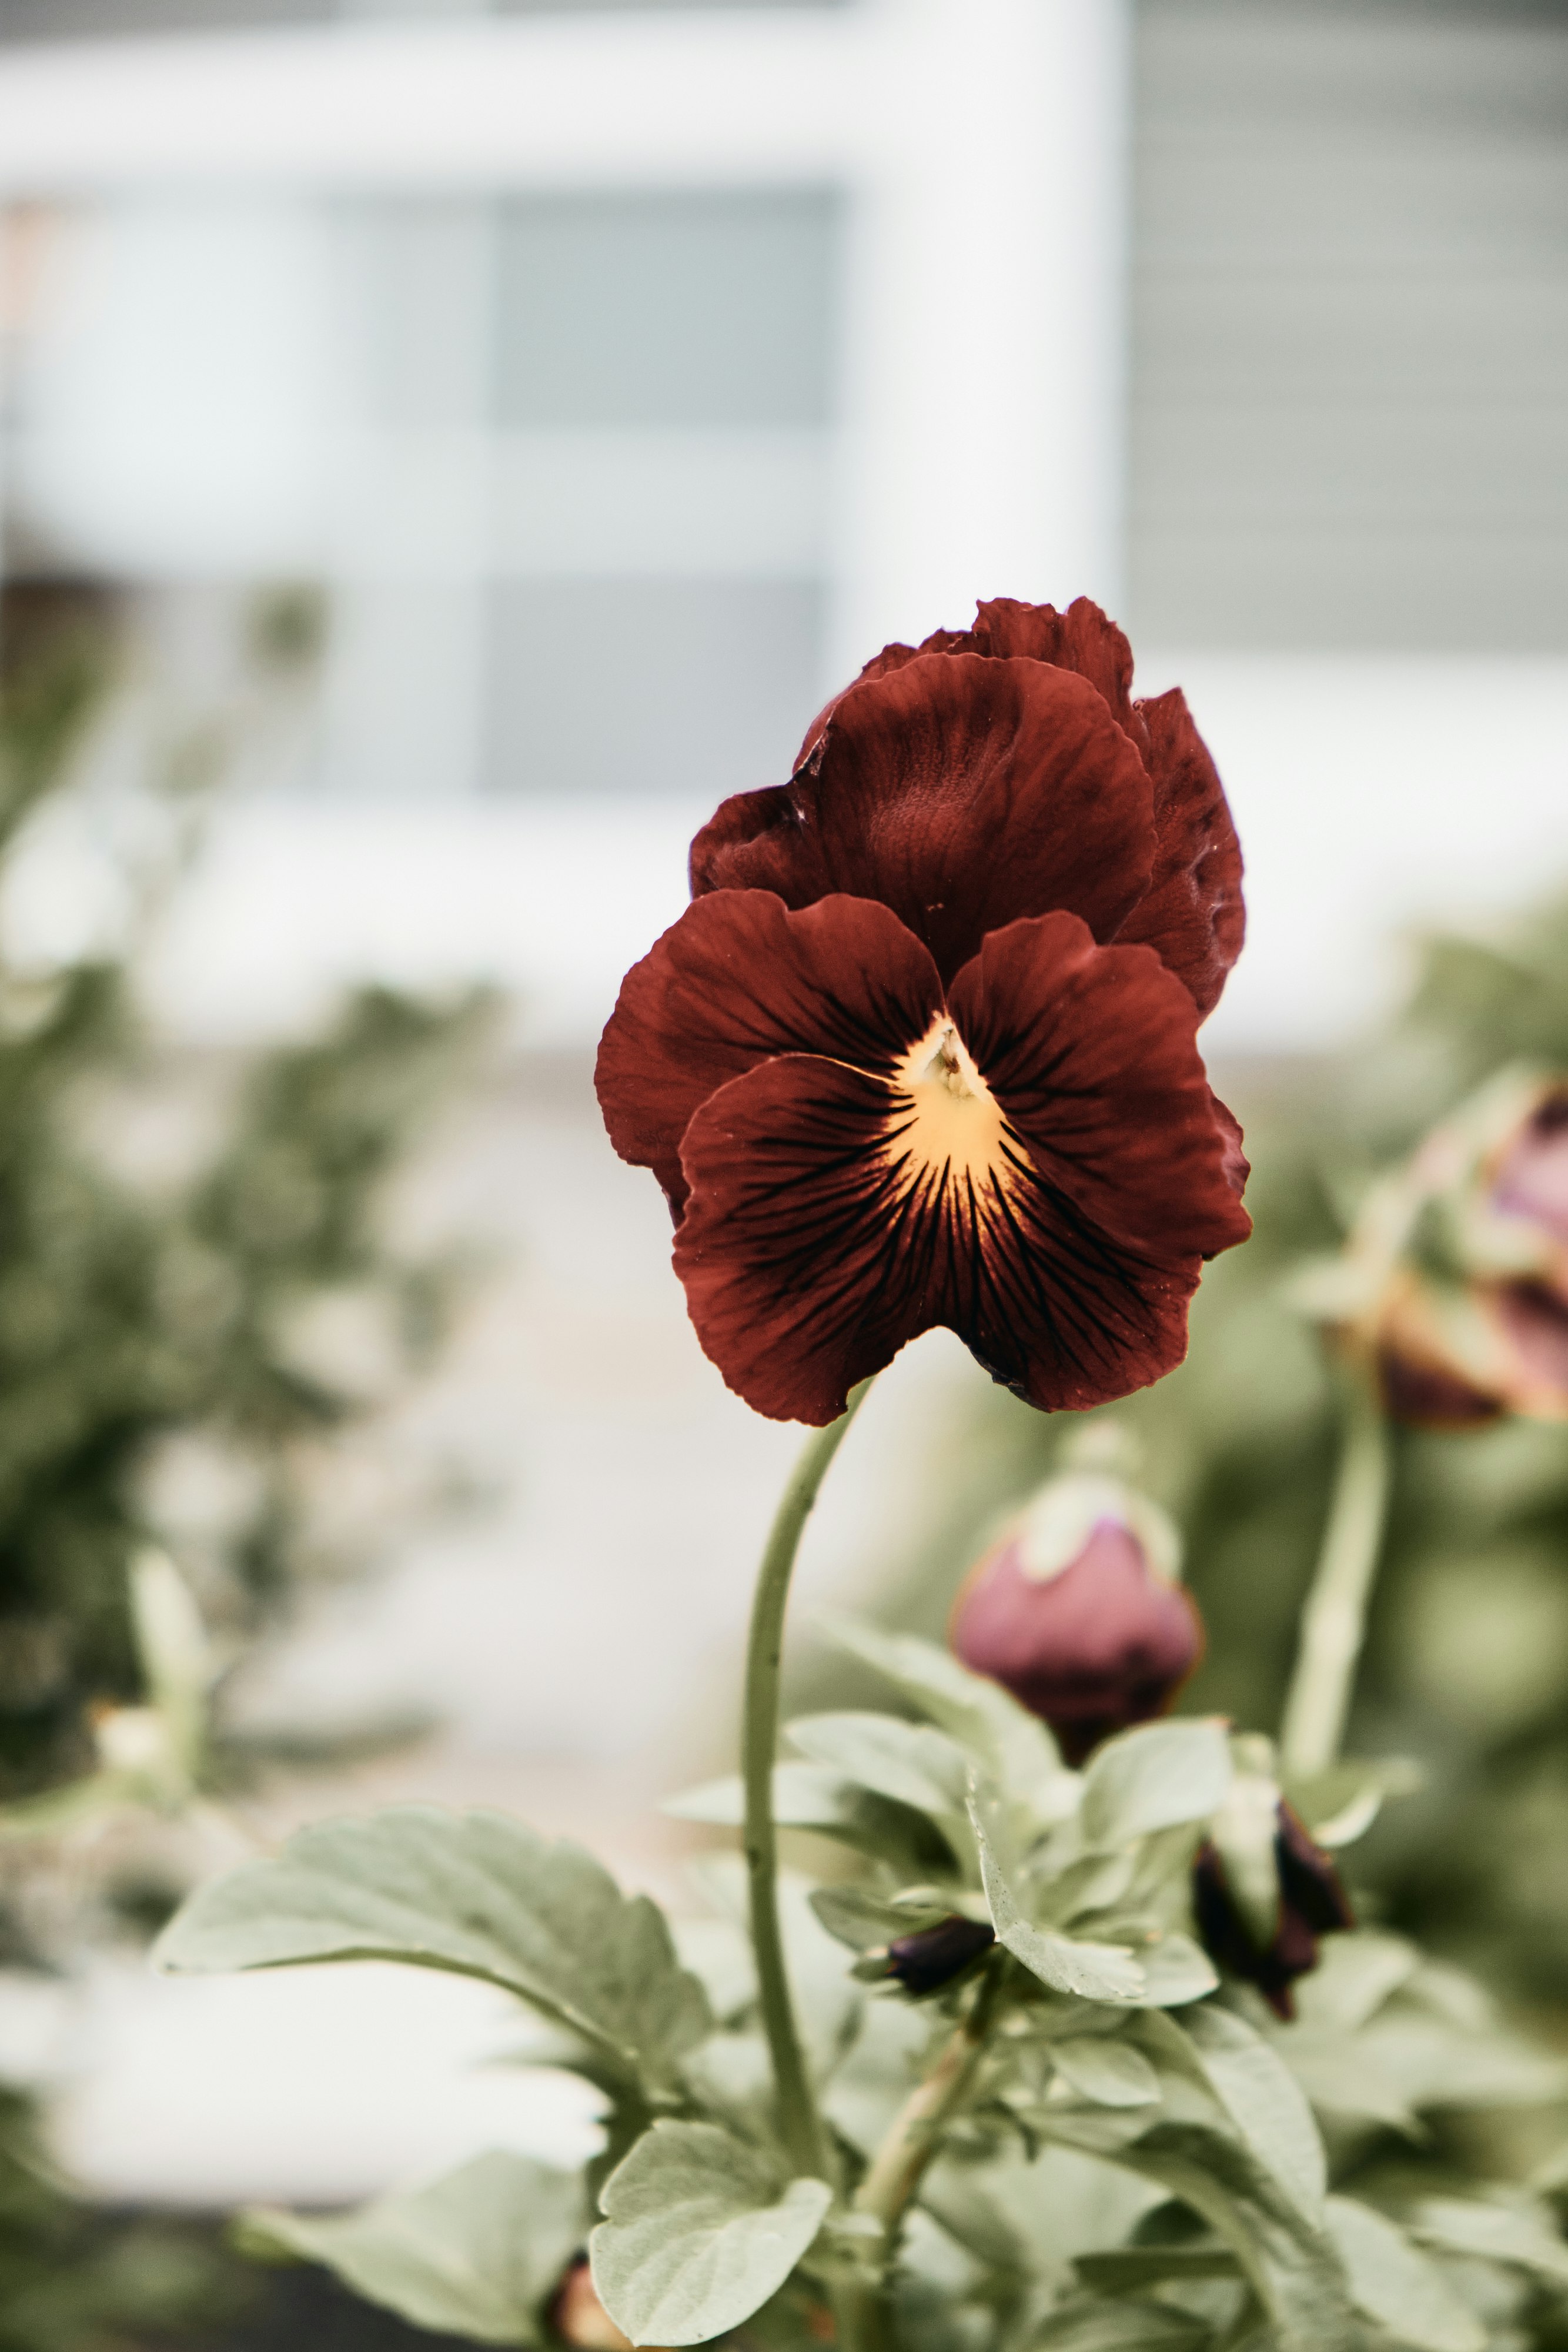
x=957 y=1122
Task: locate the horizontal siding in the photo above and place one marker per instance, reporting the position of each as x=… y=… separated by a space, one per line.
x=1349 y=410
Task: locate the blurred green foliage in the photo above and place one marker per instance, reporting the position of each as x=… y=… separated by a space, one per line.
x=1467 y=1663
x=137 y=1311
x=73 y=2280
x=130 y=1310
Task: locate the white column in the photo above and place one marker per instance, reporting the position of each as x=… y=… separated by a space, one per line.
x=983 y=317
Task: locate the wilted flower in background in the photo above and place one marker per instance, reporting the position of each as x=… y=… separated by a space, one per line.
x=1454 y=1280
x=1078 y=1611
x=1264 y=1891
x=922 y=1052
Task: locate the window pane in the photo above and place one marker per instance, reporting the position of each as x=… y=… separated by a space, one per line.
x=1350 y=367
x=682 y=309
x=694 y=688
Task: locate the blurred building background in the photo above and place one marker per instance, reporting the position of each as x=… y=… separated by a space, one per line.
x=619 y=381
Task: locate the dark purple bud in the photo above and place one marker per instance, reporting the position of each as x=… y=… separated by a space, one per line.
x=1078 y=1613
x=1313 y=1904
x=932 y=1957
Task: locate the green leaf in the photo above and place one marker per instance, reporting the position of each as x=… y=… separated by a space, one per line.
x=698 y=2232
x=1090 y=1971
x=1175 y=1970
x=1096 y=2325
x=864 y=1921
x=908 y=1762
x=1109 y=2072
x=1191 y=2147
x=810 y=1797
x=1340 y=1803
x=479 y=2253
x=1395 y=2284
x=1516 y=2233
x=1011 y=1745
x=1355 y=1976
x=1340 y=2079
x=1293 y=2266
x=1433 y=2065
x=1153 y=1778
x=1266 y=2103
x=476 y=1894
x=1127 y=2268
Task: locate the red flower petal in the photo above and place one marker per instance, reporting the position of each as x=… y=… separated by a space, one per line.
x=1053 y=1213
x=1191 y=913
x=963 y=793
x=1091 y=1052
x=803 y=1258
x=738 y=979
x=1080 y=639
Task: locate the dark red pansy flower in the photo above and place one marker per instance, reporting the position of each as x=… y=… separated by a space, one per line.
x=1312 y=1903
x=1077 y=1612
x=1030 y=1155
x=891 y=1077
x=995 y=772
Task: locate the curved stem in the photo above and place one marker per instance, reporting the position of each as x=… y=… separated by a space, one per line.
x=1333 y=1622
x=798 y=2119
x=916 y=2133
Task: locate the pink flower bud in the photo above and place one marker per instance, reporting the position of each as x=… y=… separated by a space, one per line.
x=1078 y=1612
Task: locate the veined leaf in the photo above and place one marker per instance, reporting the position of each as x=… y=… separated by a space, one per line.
x=698 y=2232
x=813 y=1797
x=1153 y=1778
x=1112 y=2073
x=479 y=2253
x=475 y=1894
x=1293 y=2266
x=908 y=1762
x=1091 y=1971
x=1395 y=2284
x=1516 y=2233
x=1012 y=1746
x=1175 y=1970
x=1266 y=2103
x=863 y=1921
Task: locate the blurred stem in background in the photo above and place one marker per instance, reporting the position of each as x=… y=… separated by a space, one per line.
x=1334 y=1622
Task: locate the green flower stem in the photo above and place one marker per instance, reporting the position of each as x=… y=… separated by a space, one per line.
x=798 y=2120
x=916 y=2133
x=1333 y=1622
